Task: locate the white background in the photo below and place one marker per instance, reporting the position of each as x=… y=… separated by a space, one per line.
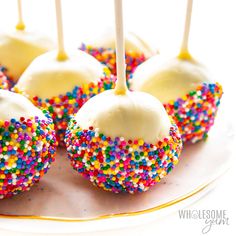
x=160 y=22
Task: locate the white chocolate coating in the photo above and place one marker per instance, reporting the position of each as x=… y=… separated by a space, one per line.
x=132 y=43
x=18 y=49
x=132 y=116
x=47 y=77
x=168 y=80
x=13 y=105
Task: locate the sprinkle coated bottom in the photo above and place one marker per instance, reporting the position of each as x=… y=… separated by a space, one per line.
x=107 y=56
x=27 y=149
x=194 y=113
x=62 y=107
x=120 y=165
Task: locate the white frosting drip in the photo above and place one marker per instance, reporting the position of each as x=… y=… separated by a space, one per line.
x=19 y=48
x=47 y=77
x=168 y=80
x=13 y=105
x=132 y=116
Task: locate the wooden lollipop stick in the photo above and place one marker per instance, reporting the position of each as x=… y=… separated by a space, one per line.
x=184 y=52
x=121 y=86
x=20 y=25
x=61 y=56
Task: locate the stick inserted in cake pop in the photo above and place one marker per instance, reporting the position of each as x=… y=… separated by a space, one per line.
x=20 y=25
x=129 y=134
x=19 y=47
x=121 y=86
x=184 y=52
x=103 y=47
x=63 y=80
x=184 y=86
x=61 y=49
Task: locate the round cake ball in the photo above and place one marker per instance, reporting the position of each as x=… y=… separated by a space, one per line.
x=185 y=89
x=62 y=87
x=19 y=48
x=27 y=144
x=123 y=142
x=103 y=49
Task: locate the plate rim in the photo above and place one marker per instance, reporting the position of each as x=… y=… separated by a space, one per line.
x=170 y=203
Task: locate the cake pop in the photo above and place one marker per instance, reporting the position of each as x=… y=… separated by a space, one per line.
x=20 y=47
x=103 y=49
x=62 y=82
x=123 y=141
x=27 y=143
x=185 y=88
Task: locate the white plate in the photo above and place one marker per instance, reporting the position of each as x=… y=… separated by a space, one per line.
x=64 y=202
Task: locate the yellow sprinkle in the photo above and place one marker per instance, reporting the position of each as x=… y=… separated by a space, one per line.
x=57 y=100
x=157 y=179
x=85 y=86
x=140 y=142
x=176 y=161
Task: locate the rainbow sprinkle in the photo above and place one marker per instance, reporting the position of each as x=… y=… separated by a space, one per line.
x=120 y=165
x=27 y=149
x=195 y=112
x=5 y=81
x=107 y=56
x=63 y=106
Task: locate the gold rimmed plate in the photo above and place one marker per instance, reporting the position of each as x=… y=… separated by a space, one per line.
x=65 y=202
